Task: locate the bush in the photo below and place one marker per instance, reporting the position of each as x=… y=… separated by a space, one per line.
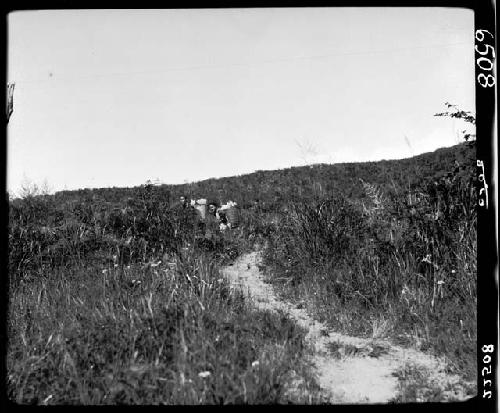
x=409 y=255
x=140 y=335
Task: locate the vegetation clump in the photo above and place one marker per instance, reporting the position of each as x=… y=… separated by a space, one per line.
x=116 y=297
x=123 y=302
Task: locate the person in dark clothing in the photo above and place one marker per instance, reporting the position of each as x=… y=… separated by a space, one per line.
x=211 y=221
x=212 y=208
x=184 y=201
x=184 y=216
x=222 y=217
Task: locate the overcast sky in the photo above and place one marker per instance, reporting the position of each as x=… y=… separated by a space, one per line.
x=114 y=98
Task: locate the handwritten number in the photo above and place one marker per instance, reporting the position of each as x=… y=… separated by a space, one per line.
x=485 y=52
x=488 y=348
x=484 y=59
x=481 y=33
x=486 y=81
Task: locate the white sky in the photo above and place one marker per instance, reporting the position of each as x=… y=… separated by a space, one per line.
x=114 y=98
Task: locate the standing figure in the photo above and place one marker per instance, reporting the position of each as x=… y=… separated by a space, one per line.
x=183 y=201
x=212 y=219
x=184 y=217
x=222 y=218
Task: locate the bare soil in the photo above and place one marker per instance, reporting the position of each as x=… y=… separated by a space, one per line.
x=349 y=369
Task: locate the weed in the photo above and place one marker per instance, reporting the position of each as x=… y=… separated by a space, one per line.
x=392 y=264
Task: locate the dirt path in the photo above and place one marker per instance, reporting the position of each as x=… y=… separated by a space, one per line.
x=349 y=369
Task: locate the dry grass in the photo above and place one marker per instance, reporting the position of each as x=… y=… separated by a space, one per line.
x=129 y=307
x=386 y=267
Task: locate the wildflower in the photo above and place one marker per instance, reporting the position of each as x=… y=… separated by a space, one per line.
x=453 y=272
x=440 y=282
x=104 y=271
x=204 y=374
x=47 y=399
x=138 y=368
x=255 y=363
x=427 y=259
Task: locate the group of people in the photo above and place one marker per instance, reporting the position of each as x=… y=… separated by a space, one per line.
x=215 y=216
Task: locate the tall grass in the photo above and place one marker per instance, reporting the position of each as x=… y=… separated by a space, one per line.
x=116 y=297
x=397 y=263
x=112 y=306
x=146 y=336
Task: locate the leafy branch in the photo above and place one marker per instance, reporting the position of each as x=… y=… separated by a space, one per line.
x=467 y=116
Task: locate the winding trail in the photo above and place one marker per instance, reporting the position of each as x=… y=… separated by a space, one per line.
x=357 y=370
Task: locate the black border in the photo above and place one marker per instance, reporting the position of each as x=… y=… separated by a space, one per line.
x=487 y=251
x=484 y=12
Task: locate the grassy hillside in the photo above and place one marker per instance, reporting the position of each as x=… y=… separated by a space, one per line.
x=389 y=257
x=274 y=188
x=382 y=248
